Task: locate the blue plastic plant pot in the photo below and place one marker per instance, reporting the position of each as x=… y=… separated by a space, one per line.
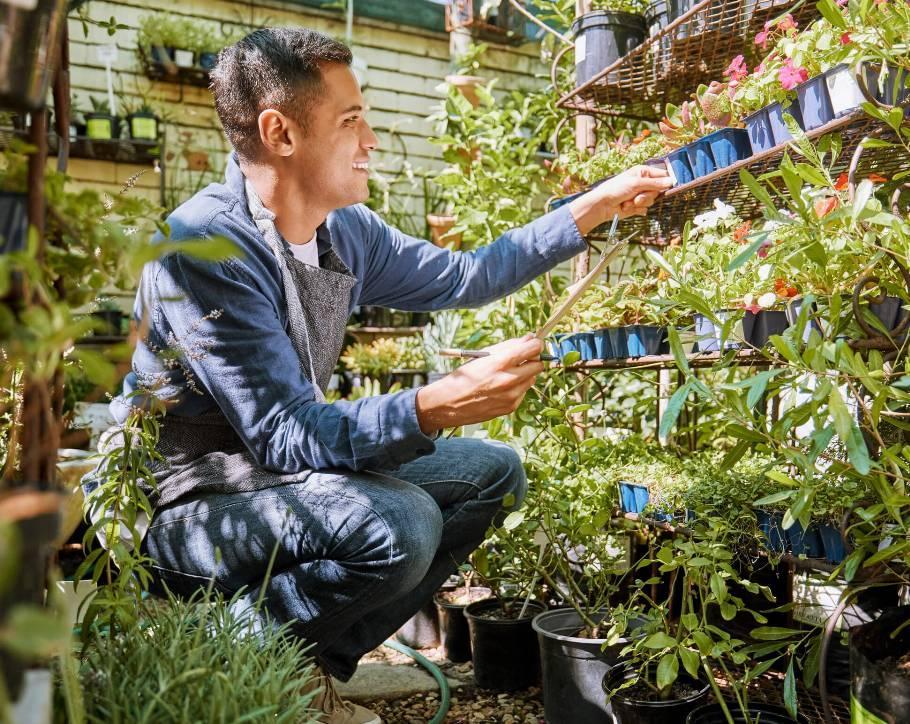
x=814 y=103
x=602 y=347
x=708 y=334
x=759 y=328
x=617 y=336
x=770 y=524
x=804 y=541
x=635 y=343
x=758 y=127
x=833 y=544
x=700 y=159
x=679 y=165
x=584 y=343
x=729 y=145
x=779 y=130
x=562 y=344
x=633 y=497
x=888 y=312
x=653 y=338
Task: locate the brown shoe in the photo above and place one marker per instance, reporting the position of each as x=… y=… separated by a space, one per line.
x=334 y=709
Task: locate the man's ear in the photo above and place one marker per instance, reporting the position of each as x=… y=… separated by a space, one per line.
x=274 y=132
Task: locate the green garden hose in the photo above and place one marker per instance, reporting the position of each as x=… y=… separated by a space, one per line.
x=444 y=693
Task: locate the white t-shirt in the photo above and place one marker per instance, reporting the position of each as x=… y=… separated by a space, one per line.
x=307 y=253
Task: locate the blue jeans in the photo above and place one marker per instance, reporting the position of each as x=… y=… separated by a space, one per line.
x=357 y=553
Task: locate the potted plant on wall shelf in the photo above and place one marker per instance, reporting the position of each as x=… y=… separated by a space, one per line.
x=100 y=124
x=611 y=30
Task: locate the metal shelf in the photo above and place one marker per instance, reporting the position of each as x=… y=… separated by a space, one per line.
x=695 y=48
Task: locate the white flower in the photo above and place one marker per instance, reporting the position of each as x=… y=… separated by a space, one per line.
x=767 y=300
x=764 y=271
x=710 y=219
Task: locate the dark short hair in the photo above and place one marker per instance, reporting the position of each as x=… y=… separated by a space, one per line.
x=270 y=68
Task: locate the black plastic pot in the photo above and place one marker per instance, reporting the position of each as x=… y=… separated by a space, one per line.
x=877 y=688
x=646 y=339
x=618 y=345
x=453 y=627
x=143 y=126
x=603 y=37
x=764 y=713
x=573 y=668
x=504 y=651
x=759 y=328
x=758 y=126
x=13 y=221
x=30 y=37
x=102 y=126
x=814 y=103
x=779 y=130
x=421 y=631
x=627 y=710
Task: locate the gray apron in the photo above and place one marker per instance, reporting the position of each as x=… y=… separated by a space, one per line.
x=203 y=454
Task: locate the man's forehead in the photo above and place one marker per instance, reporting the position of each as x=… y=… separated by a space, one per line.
x=342 y=90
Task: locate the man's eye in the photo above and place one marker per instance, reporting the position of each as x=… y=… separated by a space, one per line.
x=350 y=121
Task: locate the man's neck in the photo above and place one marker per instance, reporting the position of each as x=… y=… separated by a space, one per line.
x=295 y=220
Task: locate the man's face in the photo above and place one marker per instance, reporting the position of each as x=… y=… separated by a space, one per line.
x=332 y=159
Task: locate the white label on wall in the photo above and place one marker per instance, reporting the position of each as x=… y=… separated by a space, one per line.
x=107 y=54
x=580 y=49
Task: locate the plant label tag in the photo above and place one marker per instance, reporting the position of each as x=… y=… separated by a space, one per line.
x=815 y=600
x=581 y=48
x=107 y=54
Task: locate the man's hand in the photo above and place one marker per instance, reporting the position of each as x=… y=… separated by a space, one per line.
x=627 y=194
x=482 y=389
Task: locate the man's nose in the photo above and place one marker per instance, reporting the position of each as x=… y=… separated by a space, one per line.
x=368 y=139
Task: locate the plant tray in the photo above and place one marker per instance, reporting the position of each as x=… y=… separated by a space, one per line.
x=695 y=48
x=171 y=73
x=682 y=203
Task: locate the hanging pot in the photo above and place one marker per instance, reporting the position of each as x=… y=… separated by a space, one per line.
x=573 y=667
x=633 y=497
x=453 y=626
x=207 y=61
x=28 y=46
x=102 y=126
x=601 y=38
x=504 y=650
x=779 y=129
x=814 y=103
x=632 y=707
x=143 y=126
x=183 y=58
x=879 y=689
x=678 y=161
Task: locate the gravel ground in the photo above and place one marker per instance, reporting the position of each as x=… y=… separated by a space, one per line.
x=469 y=705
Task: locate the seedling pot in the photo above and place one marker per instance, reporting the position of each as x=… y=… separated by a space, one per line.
x=779 y=129
x=453 y=626
x=832 y=542
x=729 y=145
x=633 y=497
x=207 y=61
x=844 y=91
x=646 y=339
x=759 y=328
x=700 y=159
x=878 y=688
x=758 y=127
x=573 y=667
x=102 y=126
x=603 y=37
x=617 y=336
x=602 y=347
x=628 y=710
x=505 y=652
x=771 y=526
x=708 y=334
x=814 y=103
x=143 y=126
x=584 y=342
x=184 y=58
x=794 y=307
x=805 y=541
x=764 y=713
x=678 y=162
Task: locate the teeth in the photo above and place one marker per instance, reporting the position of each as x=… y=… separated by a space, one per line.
x=364 y=166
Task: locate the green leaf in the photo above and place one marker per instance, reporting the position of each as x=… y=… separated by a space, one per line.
x=746 y=253
x=674 y=407
x=790 y=690
x=691 y=661
x=858 y=452
x=33 y=632
x=773 y=633
x=659 y=640
x=513 y=520
x=834 y=15
x=718 y=587
x=667 y=670
x=571 y=358
x=677 y=349
x=750 y=182
x=774 y=498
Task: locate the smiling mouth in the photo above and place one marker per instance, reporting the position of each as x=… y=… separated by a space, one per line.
x=365 y=166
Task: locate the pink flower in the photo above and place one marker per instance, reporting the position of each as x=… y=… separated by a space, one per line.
x=763 y=250
x=737 y=69
x=762 y=37
x=841 y=3
x=787 y=23
x=845 y=39
x=790 y=76
x=754 y=308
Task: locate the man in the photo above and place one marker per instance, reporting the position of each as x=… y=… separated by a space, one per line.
x=364 y=509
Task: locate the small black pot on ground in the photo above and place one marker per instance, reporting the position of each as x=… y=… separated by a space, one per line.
x=573 y=667
x=635 y=704
x=764 y=713
x=504 y=649
x=601 y=38
x=879 y=689
x=453 y=626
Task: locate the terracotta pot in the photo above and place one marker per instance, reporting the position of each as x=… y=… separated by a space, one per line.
x=440 y=225
x=467 y=86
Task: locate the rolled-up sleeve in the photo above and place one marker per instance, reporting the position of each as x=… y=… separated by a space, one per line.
x=229 y=338
x=408 y=273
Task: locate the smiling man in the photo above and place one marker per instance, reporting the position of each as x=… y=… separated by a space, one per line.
x=365 y=510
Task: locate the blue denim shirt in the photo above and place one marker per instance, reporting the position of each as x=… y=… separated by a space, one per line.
x=217 y=330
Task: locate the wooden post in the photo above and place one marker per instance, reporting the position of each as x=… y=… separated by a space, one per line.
x=584 y=140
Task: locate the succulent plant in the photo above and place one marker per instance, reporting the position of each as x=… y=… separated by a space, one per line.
x=682 y=124
x=715 y=103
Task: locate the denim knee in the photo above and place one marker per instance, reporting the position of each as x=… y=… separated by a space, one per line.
x=507 y=475
x=413 y=522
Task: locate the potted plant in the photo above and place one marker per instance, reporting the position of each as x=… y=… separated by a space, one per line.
x=100 y=124
x=464 y=80
x=453 y=626
x=209 y=44
x=611 y=30
x=168 y=40
x=142 y=121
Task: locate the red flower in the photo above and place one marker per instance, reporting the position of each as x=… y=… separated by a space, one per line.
x=754 y=308
x=843 y=181
x=737 y=69
x=877 y=178
x=825 y=206
x=845 y=39
x=791 y=76
x=763 y=250
x=741 y=232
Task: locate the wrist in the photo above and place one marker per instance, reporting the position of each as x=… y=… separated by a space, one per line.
x=426 y=404
x=591 y=211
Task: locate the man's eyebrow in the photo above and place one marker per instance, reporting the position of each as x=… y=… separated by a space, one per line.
x=351 y=109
